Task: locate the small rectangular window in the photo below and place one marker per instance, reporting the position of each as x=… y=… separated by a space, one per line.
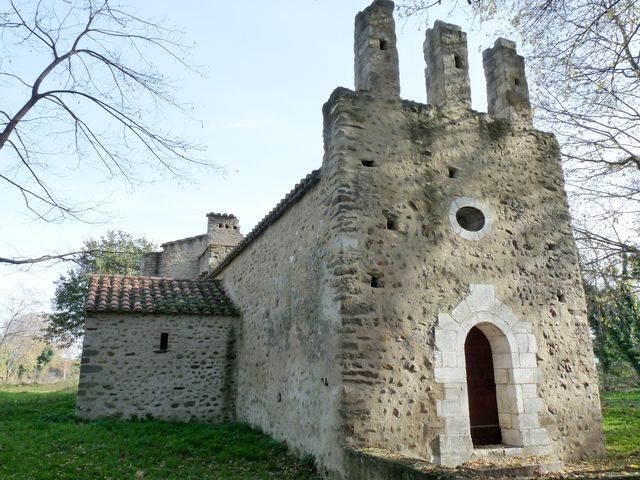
x=164 y=342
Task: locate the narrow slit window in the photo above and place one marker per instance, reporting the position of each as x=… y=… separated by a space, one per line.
x=383 y=44
x=457 y=61
x=164 y=342
x=368 y=163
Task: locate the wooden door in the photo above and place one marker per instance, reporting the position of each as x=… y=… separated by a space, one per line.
x=481 y=384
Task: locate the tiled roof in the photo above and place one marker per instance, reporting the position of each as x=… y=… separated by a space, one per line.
x=291 y=198
x=221 y=215
x=119 y=294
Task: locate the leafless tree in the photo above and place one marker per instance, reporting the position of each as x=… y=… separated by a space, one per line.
x=16 y=316
x=88 y=97
x=21 y=333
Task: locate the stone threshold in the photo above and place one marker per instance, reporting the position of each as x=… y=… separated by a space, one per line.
x=506 y=461
x=524 y=470
x=380 y=464
x=497 y=451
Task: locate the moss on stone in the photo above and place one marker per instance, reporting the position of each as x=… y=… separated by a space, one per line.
x=423 y=130
x=498 y=129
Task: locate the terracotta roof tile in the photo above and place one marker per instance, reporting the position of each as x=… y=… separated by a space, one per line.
x=119 y=294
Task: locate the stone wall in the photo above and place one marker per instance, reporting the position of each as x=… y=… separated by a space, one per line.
x=358 y=291
x=427 y=220
x=124 y=373
x=178 y=259
x=212 y=257
x=289 y=382
x=342 y=295
x=408 y=166
x=189 y=257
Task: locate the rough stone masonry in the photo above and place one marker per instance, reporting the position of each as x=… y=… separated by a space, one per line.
x=431 y=235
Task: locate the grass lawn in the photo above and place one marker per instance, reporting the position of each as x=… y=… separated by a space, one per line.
x=622 y=425
x=621 y=412
x=40 y=439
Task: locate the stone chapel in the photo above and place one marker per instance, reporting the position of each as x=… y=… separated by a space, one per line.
x=418 y=293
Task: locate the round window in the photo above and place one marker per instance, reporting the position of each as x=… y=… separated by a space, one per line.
x=470 y=218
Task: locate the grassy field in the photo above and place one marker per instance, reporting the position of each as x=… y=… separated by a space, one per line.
x=622 y=425
x=41 y=440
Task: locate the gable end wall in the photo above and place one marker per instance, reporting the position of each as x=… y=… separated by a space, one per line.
x=409 y=164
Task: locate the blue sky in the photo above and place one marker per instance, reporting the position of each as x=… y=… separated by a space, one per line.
x=269 y=68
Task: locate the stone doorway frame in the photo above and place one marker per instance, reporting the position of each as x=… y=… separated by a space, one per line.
x=517 y=376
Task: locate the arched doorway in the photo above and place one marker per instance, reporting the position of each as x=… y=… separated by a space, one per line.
x=481 y=387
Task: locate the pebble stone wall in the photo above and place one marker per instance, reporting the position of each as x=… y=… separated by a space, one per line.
x=404 y=165
x=178 y=259
x=190 y=257
x=357 y=297
x=342 y=295
x=125 y=374
x=289 y=381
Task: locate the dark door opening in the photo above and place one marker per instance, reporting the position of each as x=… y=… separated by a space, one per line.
x=481 y=384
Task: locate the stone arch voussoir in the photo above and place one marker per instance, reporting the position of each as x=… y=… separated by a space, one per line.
x=517 y=376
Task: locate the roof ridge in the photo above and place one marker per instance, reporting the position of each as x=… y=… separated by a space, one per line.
x=295 y=194
x=199 y=278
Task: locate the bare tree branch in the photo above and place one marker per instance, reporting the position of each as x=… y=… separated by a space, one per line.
x=64 y=257
x=98 y=83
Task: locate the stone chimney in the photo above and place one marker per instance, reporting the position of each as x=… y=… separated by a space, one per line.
x=447 y=72
x=223 y=229
x=507 y=90
x=376 y=54
x=223 y=232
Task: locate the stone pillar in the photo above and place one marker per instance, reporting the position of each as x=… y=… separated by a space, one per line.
x=447 y=72
x=376 y=54
x=507 y=90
